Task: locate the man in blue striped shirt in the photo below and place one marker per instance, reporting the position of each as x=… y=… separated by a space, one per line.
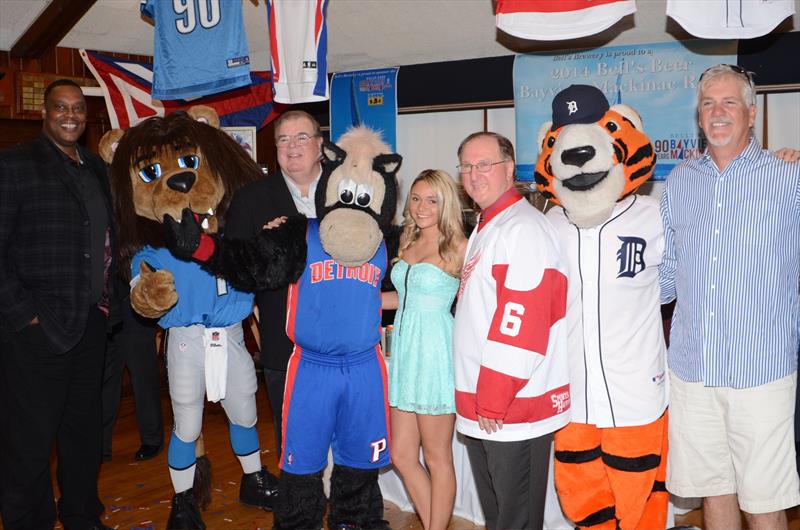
x=732 y=259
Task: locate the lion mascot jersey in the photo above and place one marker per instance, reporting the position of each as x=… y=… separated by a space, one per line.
x=610 y=461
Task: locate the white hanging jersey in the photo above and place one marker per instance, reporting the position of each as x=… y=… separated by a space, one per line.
x=509 y=338
x=298 y=42
x=559 y=19
x=729 y=19
x=616 y=343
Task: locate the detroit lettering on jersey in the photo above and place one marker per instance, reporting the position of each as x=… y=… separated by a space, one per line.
x=328 y=270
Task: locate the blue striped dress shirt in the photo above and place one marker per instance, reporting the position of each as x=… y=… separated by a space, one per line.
x=732 y=259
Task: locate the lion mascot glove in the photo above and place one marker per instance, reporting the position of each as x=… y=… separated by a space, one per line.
x=160 y=167
x=610 y=461
x=335 y=392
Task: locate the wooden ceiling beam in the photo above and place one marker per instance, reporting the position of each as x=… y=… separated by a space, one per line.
x=50 y=27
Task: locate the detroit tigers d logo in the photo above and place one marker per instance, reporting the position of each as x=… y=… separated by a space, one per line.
x=630 y=256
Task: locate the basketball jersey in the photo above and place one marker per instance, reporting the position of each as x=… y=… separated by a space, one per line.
x=565 y=19
x=298 y=43
x=200 y=47
x=332 y=309
x=729 y=19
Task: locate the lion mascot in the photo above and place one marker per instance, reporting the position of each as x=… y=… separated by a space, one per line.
x=335 y=392
x=610 y=461
x=160 y=167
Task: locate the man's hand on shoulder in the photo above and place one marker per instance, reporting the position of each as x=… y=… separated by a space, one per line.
x=787 y=154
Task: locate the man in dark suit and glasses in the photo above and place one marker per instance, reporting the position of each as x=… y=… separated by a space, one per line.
x=290 y=191
x=55 y=259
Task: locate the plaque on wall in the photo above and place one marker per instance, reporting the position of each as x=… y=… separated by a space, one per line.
x=6 y=93
x=30 y=91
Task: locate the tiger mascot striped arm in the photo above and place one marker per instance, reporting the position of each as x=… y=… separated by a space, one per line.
x=610 y=461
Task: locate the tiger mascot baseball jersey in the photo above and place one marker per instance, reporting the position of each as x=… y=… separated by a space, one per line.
x=610 y=460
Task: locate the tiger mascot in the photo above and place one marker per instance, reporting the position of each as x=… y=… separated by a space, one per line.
x=610 y=461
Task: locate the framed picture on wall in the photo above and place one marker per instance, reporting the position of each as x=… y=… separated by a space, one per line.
x=244 y=136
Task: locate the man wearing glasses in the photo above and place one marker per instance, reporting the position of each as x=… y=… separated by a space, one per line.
x=299 y=144
x=732 y=260
x=509 y=345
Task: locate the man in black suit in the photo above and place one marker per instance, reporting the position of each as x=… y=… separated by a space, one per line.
x=133 y=345
x=291 y=191
x=55 y=256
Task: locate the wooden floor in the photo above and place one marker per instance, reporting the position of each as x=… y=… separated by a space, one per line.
x=137 y=494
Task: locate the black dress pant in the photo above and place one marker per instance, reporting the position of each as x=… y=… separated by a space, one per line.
x=511 y=480
x=48 y=399
x=133 y=346
x=276 y=382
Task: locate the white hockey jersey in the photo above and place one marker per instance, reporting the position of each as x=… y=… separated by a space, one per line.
x=564 y=19
x=298 y=42
x=729 y=19
x=617 y=354
x=509 y=339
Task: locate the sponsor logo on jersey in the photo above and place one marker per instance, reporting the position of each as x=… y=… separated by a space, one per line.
x=233 y=62
x=329 y=270
x=561 y=401
x=630 y=256
x=310 y=65
x=658 y=378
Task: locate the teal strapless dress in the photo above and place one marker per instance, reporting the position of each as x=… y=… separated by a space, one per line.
x=421 y=376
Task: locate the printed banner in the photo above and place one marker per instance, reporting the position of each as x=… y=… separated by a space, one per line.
x=365 y=97
x=658 y=80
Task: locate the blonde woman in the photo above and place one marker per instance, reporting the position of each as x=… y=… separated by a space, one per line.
x=421 y=381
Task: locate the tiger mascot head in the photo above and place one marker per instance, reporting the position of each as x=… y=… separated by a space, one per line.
x=592 y=155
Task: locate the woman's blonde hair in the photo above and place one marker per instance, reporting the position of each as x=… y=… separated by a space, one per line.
x=450 y=224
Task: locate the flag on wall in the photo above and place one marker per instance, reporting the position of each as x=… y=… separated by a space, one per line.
x=126 y=86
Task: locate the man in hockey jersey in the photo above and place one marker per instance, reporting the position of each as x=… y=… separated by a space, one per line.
x=509 y=342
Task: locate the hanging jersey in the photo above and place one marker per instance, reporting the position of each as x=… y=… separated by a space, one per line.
x=332 y=309
x=200 y=47
x=729 y=19
x=298 y=43
x=564 y=19
x=202 y=298
x=616 y=338
x=509 y=337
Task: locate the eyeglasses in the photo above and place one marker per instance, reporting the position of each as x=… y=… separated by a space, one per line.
x=735 y=68
x=484 y=166
x=300 y=139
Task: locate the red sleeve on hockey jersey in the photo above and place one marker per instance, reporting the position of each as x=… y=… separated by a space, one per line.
x=495 y=392
x=523 y=319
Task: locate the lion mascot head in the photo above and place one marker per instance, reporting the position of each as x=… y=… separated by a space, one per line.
x=166 y=164
x=591 y=155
